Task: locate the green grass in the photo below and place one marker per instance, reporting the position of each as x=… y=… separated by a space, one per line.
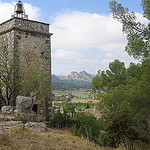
x=81 y=96
x=79 y=93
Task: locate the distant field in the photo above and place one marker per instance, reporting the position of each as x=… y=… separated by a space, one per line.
x=79 y=93
x=83 y=101
x=58 y=93
x=82 y=96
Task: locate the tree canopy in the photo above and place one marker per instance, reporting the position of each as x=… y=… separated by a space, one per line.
x=138 y=34
x=125 y=100
x=104 y=80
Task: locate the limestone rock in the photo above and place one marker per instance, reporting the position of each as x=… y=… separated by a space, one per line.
x=6 y=118
x=26 y=115
x=24 y=103
x=7 y=109
x=24 y=110
x=37 y=126
x=9 y=125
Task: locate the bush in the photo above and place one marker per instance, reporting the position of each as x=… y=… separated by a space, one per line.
x=61 y=120
x=119 y=129
x=87 y=126
x=81 y=125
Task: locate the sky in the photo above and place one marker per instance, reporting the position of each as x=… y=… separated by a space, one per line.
x=85 y=35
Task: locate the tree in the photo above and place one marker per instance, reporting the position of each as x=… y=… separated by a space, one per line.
x=111 y=78
x=125 y=108
x=99 y=82
x=35 y=80
x=23 y=76
x=8 y=71
x=146 y=8
x=138 y=34
x=134 y=71
x=117 y=73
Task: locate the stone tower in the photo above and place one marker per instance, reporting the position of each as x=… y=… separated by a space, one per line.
x=33 y=37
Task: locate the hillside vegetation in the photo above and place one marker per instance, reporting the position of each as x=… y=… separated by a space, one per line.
x=24 y=139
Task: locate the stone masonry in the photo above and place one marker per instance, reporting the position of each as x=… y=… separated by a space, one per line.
x=30 y=36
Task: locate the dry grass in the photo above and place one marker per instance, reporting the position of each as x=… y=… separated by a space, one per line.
x=24 y=139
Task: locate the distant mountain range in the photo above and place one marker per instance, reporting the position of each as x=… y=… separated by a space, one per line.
x=74 y=76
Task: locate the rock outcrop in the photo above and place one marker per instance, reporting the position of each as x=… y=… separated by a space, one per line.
x=10 y=125
x=37 y=126
x=24 y=108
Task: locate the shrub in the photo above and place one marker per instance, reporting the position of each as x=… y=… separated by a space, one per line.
x=119 y=129
x=88 y=126
x=81 y=125
x=61 y=120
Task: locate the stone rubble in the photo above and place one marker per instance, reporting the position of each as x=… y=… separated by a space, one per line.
x=10 y=125
x=8 y=109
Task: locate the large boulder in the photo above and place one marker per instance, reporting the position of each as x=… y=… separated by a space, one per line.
x=24 y=110
x=24 y=103
x=7 y=109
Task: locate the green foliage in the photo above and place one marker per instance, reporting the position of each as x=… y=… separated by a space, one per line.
x=146 y=8
x=125 y=109
x=126 y=102
x=118 y=128
x=35 y=79
x=134 y=71
x=70 y=107
x=99 y=82
x=138 y=34
x=61 y=120
x=111 y=78
x=100 y=95
x=87 y=126
x=64 y=97
x=80 y=124
x=9 y=75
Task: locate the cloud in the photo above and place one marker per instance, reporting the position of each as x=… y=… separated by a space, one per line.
x=140 y=18
x=66 y=54
x=7 y=9
x=88 y=40
x=85 y=31
x=32 y=11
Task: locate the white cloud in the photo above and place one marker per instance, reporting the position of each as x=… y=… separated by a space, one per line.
x=90 y=41
x=32 y=11
x=79 y=30
x=7 y=9
x=142 y=19
x=109 y=55
x=65 y=54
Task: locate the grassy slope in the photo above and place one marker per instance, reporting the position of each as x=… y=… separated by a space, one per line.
x=24 y=139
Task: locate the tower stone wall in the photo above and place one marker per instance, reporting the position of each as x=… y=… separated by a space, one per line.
x=31 y=37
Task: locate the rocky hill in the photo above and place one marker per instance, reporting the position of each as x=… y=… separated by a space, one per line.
x=74 y=76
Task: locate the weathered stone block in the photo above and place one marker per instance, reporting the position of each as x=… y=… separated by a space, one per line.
x=24 y=108
x=26 y=115
x=7 y=109
x=24 y=103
